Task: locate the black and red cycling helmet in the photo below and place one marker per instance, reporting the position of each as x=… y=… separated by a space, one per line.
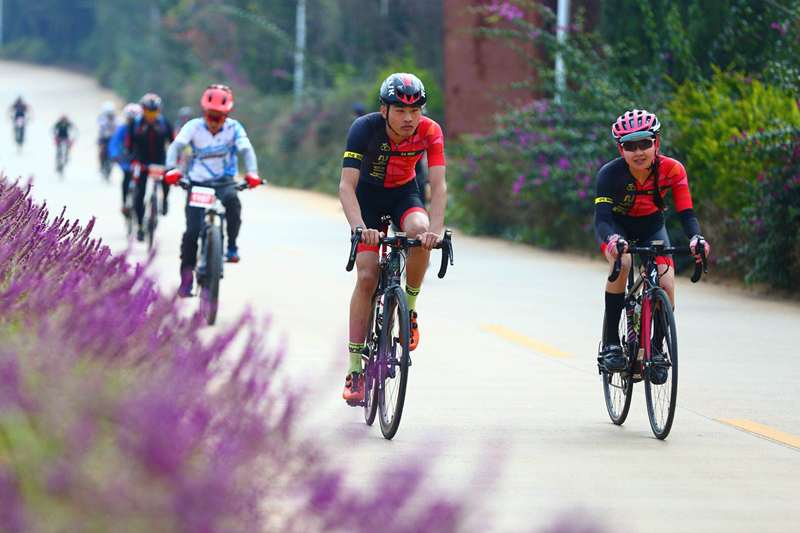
x=403 y=89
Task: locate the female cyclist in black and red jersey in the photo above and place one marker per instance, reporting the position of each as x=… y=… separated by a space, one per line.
x=630 y=205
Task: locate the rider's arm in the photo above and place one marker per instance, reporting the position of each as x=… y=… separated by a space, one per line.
x=434 y=142
x=245 y=149
x=174 y=151
x=347 y=195
x=604 y=203
x=679 y=182
x=117 y=143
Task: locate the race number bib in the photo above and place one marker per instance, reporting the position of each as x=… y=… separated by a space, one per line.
x=202 y=197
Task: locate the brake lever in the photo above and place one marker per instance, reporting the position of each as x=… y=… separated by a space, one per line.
x=355 y=239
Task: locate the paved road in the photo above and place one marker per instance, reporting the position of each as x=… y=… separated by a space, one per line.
x=525 y=429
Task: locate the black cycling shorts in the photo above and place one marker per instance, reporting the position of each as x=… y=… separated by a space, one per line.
x=644 y=230
x=397 y=202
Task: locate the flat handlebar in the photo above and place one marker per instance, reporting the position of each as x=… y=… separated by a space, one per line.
x=446 y=245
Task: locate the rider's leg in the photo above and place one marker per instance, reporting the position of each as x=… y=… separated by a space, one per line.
x=165 y=189
x=194 y=222
x=415 y=223
x=127 y=176
x=233 y=213
x=667 y=280
x=361 y=303
x=141 y=189
x=615 y=297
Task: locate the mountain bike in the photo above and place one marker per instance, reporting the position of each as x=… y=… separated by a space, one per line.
x=649 y=340
x=386 y=355
x=209 y=272
x=19 y=132
x=62 y=154
x=154 y=174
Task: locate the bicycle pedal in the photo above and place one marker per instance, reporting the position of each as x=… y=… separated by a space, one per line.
x=355 y=403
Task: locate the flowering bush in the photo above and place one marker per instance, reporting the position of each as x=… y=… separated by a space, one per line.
x=771 y=221
x=116 y=415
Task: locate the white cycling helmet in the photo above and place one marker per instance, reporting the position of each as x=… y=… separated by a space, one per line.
x=132 y=110
x=109 y=108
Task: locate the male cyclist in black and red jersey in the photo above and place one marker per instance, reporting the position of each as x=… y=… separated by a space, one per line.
x=377 y=180
x=630 y=205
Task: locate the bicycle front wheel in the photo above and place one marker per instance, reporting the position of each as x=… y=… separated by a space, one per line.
x=618 y=386
x=152 y=219
x=371 y=365
x=661 y=371
x=393 y=360
x=209 y=296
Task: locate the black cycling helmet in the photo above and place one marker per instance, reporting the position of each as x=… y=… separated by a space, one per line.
x=403 y=89
x=359 y=109
x=150 y=102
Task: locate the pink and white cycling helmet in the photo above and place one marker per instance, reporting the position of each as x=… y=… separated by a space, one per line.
x=635 y=125
x=132 y=110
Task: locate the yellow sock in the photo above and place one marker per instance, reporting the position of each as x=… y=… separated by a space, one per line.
x=411 y=296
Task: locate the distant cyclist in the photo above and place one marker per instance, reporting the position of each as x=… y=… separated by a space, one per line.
x=215 y=140
x=106 y=127
x=630 y=205
x=184 y=115
x=119 y=152
x=185 y=159
x=65 y=134
x=378 y=179
x=148 y=138
x=20 y=114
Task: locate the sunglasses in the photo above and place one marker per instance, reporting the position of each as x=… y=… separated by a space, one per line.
x=631 y=146
x=215 y=118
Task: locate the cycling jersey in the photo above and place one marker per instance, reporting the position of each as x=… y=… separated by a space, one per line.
x=384 y=163
x=147 y=142
x=214 y=156
x=621 y=198
x=62 y=129
x=20 y=110
x=106 y=126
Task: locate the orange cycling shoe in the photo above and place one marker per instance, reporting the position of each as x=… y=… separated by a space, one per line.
x=414 y=329
x=354 y=386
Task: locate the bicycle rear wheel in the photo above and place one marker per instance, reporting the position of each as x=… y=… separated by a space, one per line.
x=661 y=372
x=618 y=386
x=393 y=360
x=371 y=366
x=209 y=295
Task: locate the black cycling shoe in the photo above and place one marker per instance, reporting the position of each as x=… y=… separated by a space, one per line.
x=612 y=358
x=658 y=373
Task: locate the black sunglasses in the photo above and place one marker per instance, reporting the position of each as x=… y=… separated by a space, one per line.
x=631 y=146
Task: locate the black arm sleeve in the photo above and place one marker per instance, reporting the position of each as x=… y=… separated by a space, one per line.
x=689 y=222
x=604 y=203
x=357 y=143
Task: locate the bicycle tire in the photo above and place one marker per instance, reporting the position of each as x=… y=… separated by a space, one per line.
x=370 y=399
x=618 y=390
x=210 y=292
x=152 y=219
x=391 y=387
x=662 y=416
x=131 y=214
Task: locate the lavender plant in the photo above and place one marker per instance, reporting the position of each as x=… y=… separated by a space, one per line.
x=116 y=416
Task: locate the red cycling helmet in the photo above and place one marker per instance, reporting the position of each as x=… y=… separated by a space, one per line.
x=217 y=98
x=635 y=125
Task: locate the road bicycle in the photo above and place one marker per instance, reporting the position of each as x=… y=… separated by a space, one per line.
x=648 y=338
x=209 y=271
x=386 y=354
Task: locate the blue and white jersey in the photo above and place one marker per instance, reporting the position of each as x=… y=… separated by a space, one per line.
x=214 y=156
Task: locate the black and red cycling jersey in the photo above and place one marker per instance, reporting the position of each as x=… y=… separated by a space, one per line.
x=621 y=198
x=384 y=163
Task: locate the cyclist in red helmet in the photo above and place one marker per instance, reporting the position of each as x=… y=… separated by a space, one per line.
x=215 y=140
x=630 y=205
x=378 y=179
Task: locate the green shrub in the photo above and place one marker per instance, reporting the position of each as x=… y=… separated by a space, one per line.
x=706 y=118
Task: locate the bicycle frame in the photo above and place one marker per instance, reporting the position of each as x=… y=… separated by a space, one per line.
x=645 y=283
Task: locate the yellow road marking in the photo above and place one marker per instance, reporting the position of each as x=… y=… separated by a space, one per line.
x=288 y=251
x=527 y=342
x=764 y=431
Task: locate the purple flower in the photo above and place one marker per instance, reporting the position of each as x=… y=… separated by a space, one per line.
x=520 y=181
x=563 y=163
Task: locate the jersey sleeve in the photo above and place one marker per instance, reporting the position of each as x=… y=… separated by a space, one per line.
x=187 y=132
x=679 y=183
x=434 y=142
x=357 y=143
x=240 y=138
x=604 y=203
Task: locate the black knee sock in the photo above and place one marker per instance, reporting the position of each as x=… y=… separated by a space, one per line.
x=614 y=305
